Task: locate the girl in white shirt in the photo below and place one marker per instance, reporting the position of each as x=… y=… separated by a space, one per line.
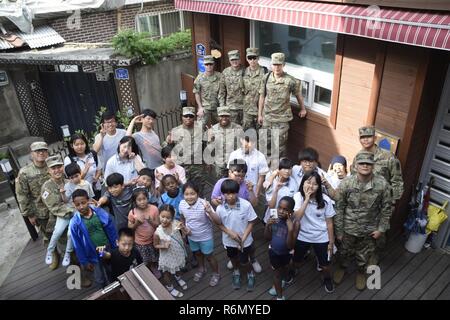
x=314 y=210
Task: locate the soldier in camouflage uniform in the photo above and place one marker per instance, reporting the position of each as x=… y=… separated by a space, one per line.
x=386 y=165
x=231 y=93
x=274 y=101
x=223 y=139
x=28 y=189
x=52 y=196
x=187 y=143
x=253 y=76
x=363 y=211
x=206 y=90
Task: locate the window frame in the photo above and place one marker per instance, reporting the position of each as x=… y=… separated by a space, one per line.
x=311 y=76
x=159 y=14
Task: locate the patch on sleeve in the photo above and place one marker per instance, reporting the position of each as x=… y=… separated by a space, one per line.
x=45 y=194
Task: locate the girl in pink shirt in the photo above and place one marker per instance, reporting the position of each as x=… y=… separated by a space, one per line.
x=169 y=167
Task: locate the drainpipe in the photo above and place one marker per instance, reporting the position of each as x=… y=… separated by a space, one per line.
x=119 y=19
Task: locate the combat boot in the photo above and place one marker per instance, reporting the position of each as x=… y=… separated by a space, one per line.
x=360 y=280
x=338 y=275
x=55 y=260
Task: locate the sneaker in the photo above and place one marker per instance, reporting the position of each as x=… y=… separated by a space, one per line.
x=338 y=275
x=236 y=281
x=256 y=266
x=66 y=259
x=55 y=260
x=229 y=265
x=250 y=282
x=289 y=282
x=49 y=258
x=282 y=298
x=360 y=281
x=328 y=283
x=272 y=290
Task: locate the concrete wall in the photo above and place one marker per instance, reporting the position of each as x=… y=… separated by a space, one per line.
x=12 y=122
x=158 y=86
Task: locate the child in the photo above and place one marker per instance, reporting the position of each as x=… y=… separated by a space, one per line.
x=337 y=171
x=314 y=210
x=119 y=197
x=195 y=214
x=173 y=194
x=169 y=167
x=236 y=218
x=144 y=219
x=172 y=253
x=146 y=179
x=280 y=232
x=91 y=229
x=73 y=172
x=124 y=257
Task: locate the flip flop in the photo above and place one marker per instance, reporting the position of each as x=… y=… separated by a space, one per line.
x=181 y=283
x=198 y=276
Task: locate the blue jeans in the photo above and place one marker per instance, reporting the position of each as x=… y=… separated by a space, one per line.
x=60 y=226
x=100 y=275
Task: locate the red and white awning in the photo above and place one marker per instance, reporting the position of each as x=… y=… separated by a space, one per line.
x=419 y=28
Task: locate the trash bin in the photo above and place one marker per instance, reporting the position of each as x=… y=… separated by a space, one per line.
x=415 y=242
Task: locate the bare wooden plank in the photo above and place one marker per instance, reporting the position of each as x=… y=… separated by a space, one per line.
x=445 y=294
x=438 y=286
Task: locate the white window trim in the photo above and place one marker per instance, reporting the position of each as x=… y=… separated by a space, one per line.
x=314 y=78
x=159 y=13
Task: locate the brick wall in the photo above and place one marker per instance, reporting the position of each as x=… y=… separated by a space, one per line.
x=102 y=26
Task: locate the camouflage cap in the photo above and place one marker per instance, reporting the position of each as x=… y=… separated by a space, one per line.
x=39 y=145
x=223 y=111
x=54 y=161
x=234 y=55
x=208 y=59
x=188 y=110
x=277 y=58
x=366 y=131
x=365 y=157
x=252 y=52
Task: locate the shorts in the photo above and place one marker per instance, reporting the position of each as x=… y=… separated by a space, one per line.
x=320 y=250
x=148 y=252
x=278 y=261
x=242 y=255
x=205 y=247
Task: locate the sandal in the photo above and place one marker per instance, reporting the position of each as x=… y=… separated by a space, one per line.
x=174 y=292
x=198 y=275
x=214 y=280
x=181 y=283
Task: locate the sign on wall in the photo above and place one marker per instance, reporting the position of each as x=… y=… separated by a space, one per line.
x=121 y=74
x=200 y=49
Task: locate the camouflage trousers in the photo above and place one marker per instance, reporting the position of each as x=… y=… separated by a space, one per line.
x=209 y=118
x=195 y=173
x=250 y=121
x=221 y=171
x=236 y=116
x=266 y=140
x=361 y=248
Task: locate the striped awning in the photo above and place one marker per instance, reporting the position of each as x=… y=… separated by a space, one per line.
x=419 y=28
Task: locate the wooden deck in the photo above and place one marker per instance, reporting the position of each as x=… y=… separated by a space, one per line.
x=424 y=276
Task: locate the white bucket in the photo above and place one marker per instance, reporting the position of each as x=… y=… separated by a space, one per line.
x=415 y=242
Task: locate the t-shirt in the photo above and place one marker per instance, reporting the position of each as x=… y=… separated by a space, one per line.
x=313 y=226
x=95 y=230
x=256 y=164
x=236 y=219
x=121 y=207
x=289 y=188
x=143 y=234
x=279 y=237
x=177 y=169
x=243 y=191
x=197 y=220
x=121 y=264
x=150 y=147
x=175 y=202
x=89 y=158
x=109 y=145
x=70 y=187
x=125 y=167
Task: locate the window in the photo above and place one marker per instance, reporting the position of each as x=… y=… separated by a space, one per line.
x=310 y=56
x=162 y=24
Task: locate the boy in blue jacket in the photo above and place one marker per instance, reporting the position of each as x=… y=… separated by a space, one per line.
x=91 y=228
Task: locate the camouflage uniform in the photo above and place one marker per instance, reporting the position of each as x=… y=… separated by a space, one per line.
x=187 y=145
x=28 y=191
x=360 y=210
x=277 y=106
x=231 y=92
x=208 y=89
x=223 y=140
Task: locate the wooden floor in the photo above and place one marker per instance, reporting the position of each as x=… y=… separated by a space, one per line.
x=404 y=276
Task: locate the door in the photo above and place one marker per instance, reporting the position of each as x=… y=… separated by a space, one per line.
x=74 y=98
x=437 y=162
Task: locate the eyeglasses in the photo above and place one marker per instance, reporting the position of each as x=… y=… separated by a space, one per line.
x=252 y=58
x=188 y=116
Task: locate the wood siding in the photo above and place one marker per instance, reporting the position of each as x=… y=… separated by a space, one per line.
x=234 y=37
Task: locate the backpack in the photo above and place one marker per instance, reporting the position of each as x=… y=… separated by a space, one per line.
x=265 y=82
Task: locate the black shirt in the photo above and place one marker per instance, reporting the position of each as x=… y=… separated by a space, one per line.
x=121 y=264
